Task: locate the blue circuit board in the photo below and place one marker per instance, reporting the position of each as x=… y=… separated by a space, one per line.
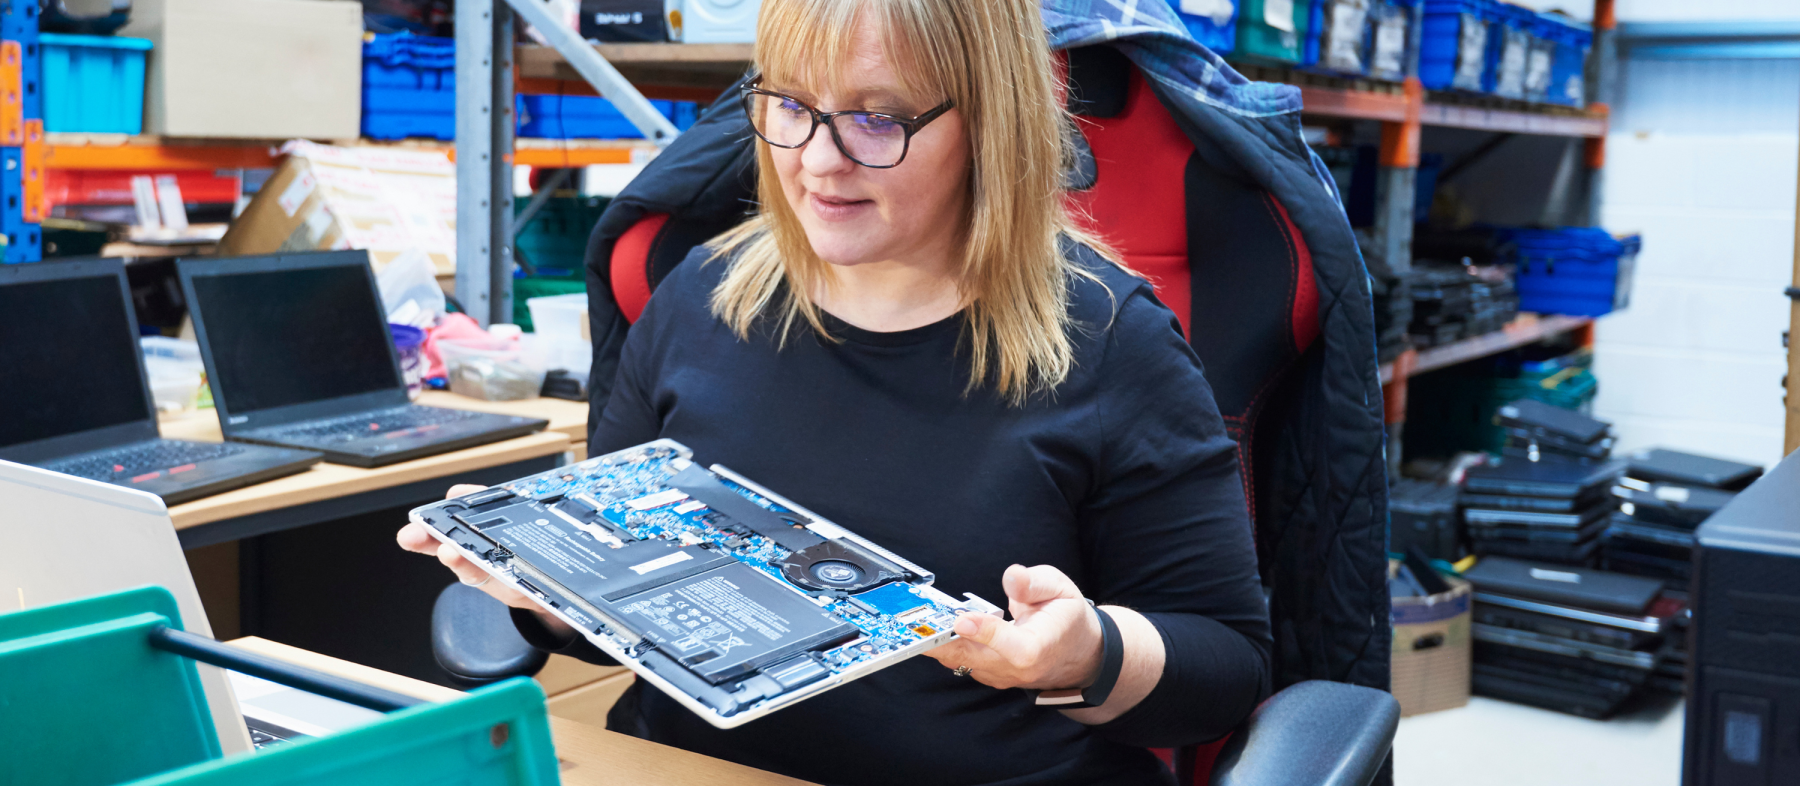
x=632 y=491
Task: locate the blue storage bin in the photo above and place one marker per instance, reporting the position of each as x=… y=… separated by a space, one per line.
x=590 y=117
x=409 y=87
x=92 y=84
x=1580 y=271
x=1453 y=47
x=1509 y=49
x=1568 y=63
x=1212 y=33
x=1315 y=26
x=1391 y=41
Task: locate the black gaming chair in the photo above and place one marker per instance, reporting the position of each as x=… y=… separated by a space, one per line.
x=1223 y=254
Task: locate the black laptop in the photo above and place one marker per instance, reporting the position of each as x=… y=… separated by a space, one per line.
x=74 y=397
x=299 y=355
x=1673 y=466
x=1550 y=476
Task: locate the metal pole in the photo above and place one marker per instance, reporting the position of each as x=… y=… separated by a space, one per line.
x=500 y=171
x=474 y=156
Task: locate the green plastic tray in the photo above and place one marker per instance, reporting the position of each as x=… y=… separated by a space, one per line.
x=86 y=701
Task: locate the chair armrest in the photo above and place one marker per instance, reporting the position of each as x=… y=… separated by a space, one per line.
x=473 y=638
x=1314 y=733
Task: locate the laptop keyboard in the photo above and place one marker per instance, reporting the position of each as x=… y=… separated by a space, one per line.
x=370 y=424
x=146 y=462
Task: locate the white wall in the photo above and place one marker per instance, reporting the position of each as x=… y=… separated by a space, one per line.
x=1702 y=161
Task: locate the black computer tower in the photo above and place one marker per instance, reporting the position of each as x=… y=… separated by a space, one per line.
x=1743 y=680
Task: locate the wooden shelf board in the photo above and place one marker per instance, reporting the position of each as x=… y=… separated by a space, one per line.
x=1358 y=104
x=1526 y=329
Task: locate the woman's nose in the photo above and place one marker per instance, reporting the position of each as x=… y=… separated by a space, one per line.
x=821 y=155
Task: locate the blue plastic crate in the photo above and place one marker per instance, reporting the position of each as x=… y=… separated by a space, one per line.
x=1509 y=49
x=93 y=84
x=24 y=242
x=1212 y=33
x=1581 y=271
x=590 y=117
x=409 y=87
x=400 y=125
x=1568 y=64
x=1391 y=39
x=1453 y=47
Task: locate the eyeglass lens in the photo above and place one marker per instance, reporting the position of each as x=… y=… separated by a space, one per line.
x=870 y=139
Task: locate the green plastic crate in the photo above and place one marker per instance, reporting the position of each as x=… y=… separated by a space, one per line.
x=555 y=242
x=1266 y=44
x=86 y=667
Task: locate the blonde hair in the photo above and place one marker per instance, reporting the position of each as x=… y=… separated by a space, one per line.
x=992 y=58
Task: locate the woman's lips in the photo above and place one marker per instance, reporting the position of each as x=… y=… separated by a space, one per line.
x=837 y=208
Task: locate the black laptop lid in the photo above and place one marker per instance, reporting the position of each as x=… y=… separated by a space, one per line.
x=1677 y=467
x=291 y=337
x=73 y=376
x=1554 y=420
x=1548 y=476
x=1565 y=585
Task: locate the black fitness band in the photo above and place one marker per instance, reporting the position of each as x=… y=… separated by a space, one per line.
x=1112 y=661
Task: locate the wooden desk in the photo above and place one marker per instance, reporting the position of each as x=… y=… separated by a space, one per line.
x=590 y=755
x=568 y=417
x=310 y=559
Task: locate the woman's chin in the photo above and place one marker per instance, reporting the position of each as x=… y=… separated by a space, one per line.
x=856 y=251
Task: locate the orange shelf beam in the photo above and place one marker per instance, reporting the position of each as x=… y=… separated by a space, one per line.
x=73 y=152
x=1358 y=104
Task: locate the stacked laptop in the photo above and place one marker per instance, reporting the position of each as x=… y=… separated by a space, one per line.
x=1665 y=496
x=1572 y=639
x=1553 y=509
x=1534 y=428
x=1451 y=303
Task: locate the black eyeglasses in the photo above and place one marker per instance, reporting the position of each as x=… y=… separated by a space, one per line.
x=873 y=139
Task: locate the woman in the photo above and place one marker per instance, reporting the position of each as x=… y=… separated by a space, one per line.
x=913 y=339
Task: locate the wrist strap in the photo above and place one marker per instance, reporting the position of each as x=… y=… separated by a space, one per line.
x=1112 y=661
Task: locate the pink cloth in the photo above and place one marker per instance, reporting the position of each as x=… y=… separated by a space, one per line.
x=456 y=327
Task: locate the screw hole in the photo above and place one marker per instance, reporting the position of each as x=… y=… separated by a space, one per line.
x=499 y=734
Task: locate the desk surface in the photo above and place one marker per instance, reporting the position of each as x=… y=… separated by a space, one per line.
x=591 y=756
x=568 y=417
x=327 y=481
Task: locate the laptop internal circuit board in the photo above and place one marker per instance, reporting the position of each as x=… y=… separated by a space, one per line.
x=728 y=597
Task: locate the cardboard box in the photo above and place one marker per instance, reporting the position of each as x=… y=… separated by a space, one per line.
x=268 y=69
x=379 y=199
x=1432 y=652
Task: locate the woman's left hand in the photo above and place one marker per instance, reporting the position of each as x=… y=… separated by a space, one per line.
x=1052 y=642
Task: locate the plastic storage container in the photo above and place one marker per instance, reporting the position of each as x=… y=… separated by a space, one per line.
x=1581 y=271
x=176 y=373
x=409 y=349
x=93 y=84
x=1272 y=32
x=1391 y=41
x=1454 y=44
x=409 y=87
x=1338 y=36
x=1509 y=49
x=1568 y=63
x=559 y=320
x=493 y=369
x=590 y=117
x=1211 y=22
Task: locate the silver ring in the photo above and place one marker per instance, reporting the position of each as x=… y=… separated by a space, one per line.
x=484 y=580
x=962 y=671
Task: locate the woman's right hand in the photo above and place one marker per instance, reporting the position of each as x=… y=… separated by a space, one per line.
x=414 y=538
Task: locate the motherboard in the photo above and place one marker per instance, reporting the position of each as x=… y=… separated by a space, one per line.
x=729 y=598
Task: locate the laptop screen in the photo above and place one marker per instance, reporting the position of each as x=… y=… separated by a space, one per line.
x=69 y=355
x=285 y=337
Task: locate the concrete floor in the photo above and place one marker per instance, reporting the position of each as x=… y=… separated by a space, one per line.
x=1496 y=743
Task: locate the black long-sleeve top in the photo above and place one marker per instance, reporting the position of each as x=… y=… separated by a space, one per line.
x=1124 y=478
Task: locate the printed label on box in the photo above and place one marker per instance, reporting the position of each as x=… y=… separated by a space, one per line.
x=1279 y=14
x=296 y=193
